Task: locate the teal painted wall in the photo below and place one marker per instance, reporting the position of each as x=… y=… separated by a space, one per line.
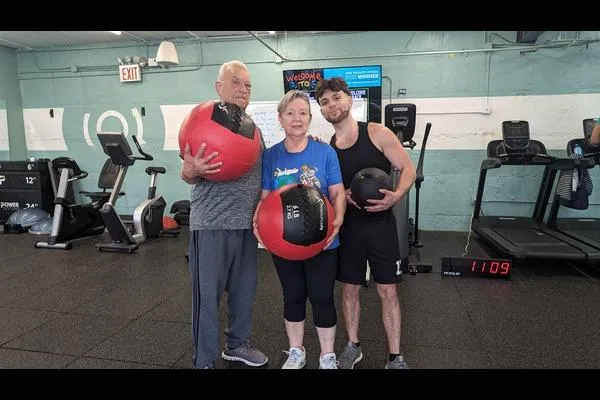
x=10 y=100
x=85 y=80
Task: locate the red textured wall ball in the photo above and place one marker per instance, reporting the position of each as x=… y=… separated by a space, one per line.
x=169 y=223
x=294 y=221
x=227 y=129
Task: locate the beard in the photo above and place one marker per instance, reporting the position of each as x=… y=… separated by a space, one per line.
x=340 y=117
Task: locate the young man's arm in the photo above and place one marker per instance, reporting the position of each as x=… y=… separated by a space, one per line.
x=595 y=137
x=391 y=147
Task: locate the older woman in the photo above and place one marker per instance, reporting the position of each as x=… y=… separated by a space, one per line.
x=300 y=159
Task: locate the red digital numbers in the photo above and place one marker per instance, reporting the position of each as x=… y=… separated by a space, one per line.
x=496 y=268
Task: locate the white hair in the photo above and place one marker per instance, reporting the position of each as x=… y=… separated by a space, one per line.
x=228 y=66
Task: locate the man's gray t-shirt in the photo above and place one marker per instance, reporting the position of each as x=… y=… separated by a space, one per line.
x=226 y=205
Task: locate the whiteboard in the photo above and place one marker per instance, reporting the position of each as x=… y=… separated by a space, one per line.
x=43 y=132
x=3 y=130
x=264 y=115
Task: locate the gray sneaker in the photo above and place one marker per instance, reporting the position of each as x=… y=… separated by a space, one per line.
x=350 y=356
x=246 y=354
x=398 y=363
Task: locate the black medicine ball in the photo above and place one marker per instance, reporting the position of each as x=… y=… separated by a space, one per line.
x=366 y=184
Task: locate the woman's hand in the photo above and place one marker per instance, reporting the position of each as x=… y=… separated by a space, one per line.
x=337 y=223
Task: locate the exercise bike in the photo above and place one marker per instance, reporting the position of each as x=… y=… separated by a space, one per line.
x=71 y=221
x=148 y=215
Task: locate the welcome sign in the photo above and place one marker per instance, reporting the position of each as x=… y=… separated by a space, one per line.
x=364 y=82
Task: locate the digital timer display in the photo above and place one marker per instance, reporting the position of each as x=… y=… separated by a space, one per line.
x=476 y=267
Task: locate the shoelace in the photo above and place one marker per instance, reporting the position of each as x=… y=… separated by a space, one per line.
x=296 y=355
x=329 y=362
x=349 y=351
x=246 y=348
x=400 y=363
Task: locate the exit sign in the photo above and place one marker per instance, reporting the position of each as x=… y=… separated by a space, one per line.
x=130 y=73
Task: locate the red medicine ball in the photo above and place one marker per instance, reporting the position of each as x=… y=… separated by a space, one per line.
x=169 y=223
x=294 y=221
x=227 y=129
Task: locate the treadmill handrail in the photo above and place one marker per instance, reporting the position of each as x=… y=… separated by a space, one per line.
x=505 y=159
x=538 y=159
x=558 y=164
x=552 y=163
x=528 y=158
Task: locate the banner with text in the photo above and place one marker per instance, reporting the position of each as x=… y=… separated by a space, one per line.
x=364 y=82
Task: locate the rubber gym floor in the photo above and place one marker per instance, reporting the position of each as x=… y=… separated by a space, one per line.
x=84 y=309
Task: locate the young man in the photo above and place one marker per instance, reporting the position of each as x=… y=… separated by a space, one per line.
x=368 y=234
x=223 y=248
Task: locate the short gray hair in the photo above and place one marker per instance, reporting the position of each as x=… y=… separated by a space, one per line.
x=291 y=96
x=228 y=66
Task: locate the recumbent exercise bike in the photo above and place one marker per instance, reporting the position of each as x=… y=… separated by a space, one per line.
x=71 y=220
x=148 y=215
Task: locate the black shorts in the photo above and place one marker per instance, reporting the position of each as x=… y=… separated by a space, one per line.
x=372 y=240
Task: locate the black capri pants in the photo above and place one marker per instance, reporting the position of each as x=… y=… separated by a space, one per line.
x=312 y=279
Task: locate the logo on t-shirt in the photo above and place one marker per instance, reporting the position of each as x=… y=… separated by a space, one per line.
x=284 y=177
x=309 y=176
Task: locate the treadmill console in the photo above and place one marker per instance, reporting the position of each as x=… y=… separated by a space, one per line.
x=588 y=127
x=517 y=147
x=515 y=135
x=588 y=148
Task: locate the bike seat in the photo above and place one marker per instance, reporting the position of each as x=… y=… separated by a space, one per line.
x=157 y=170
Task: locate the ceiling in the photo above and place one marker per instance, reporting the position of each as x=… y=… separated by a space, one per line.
x=31 y=40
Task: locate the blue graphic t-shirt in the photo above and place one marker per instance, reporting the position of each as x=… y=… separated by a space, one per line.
x=317 y=165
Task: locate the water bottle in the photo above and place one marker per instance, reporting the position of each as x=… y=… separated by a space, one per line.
x=575 y=180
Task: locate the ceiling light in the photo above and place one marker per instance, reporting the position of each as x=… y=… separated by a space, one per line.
x=271 y=32
x=167 y=54
x=115 y=32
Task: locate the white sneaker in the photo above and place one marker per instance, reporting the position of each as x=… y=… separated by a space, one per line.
x=328 y=361
x=296 y=358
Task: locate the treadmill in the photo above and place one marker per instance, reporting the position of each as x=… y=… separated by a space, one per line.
x=524 y=239
x=584 y=229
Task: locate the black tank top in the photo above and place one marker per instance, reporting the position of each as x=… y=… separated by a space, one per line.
x=362 y=154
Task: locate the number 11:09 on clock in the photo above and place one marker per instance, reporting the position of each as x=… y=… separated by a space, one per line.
x=476 y=267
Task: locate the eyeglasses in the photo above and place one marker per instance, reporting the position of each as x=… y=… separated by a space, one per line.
x=236 y=83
